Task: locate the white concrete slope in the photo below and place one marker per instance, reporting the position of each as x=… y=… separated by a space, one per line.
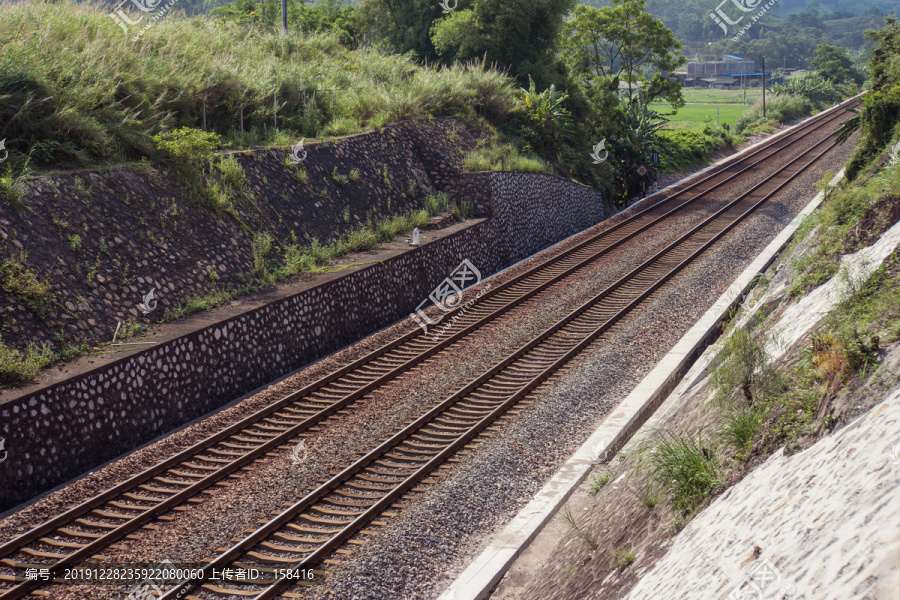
x=823 y=524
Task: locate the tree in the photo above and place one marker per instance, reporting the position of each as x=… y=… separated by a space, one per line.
x=833 y=62
x=412 y=21
x=623 y=41
x=520 y=35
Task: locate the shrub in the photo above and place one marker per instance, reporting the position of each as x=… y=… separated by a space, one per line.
x=436 y=203
x=780 y=109
x=683 y=149
x=187 y=145
x=17 y=280
x=260 y=247
x=19 y=368
x=742 y=367
x=232 y=173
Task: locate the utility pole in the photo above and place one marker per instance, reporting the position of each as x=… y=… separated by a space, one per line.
x=284 y=16
x=764 y=85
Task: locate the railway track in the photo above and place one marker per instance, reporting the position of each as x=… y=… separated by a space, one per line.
x=306 y=534
x=94 y=525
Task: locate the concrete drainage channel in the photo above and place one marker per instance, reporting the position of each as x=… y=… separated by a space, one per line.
x=666 y=382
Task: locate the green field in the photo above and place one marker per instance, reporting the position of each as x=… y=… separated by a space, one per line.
x=700 y=109
x=708 y=96
x=694 y=117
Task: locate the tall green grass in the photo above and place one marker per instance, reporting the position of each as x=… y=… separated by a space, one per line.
x=75 y=90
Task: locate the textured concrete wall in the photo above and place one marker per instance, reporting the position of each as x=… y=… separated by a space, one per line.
x=102 y=240
x=63 y=430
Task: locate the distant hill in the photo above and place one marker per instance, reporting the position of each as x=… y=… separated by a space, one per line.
x=840 y=22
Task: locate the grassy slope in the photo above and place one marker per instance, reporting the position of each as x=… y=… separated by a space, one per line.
x=75 y=90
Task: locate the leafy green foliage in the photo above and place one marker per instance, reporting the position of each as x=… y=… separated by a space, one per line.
x=682 y=149
x=637 y=138
x=18 y=368
x=624 y=42
x=20 y=282
x=818 y=90
x=881 y=112
x=522 y=40
x=833 y=63
x=742 y=374
x=550 y=122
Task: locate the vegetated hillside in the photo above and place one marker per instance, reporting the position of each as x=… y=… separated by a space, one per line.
x=75 y=90
x=787 y=30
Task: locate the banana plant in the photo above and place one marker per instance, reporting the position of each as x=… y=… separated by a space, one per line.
x=550 y=120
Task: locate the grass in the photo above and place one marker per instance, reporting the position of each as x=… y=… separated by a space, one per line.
x=696 y=95
x=492 y=154
x=318 y=257
x=586 y=537
x=85 y=95
x=20 y=282
x=622 y=558
x=842 y=210
x=14 y=187
x=205 y=301
x=740 y=428
x=687 y=470
x=598 y=483
x=695 y=117
x=650 y=495
x=19 y=368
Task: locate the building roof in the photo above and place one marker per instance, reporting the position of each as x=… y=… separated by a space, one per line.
x=733 y=56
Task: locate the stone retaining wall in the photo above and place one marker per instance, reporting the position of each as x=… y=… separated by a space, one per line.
x=66 y=429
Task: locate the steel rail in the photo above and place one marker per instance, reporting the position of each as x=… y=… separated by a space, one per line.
x=129 y=523
x=440 y=453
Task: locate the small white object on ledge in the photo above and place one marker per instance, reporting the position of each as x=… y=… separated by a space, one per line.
x=415 y=241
